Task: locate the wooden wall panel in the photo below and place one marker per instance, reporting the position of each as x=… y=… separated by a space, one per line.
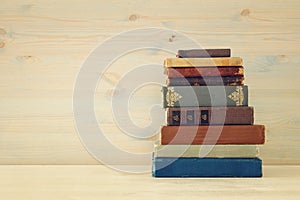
x=44 y=43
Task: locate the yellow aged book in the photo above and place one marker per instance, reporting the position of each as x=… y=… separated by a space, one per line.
x=203 y=62
x=211 y=151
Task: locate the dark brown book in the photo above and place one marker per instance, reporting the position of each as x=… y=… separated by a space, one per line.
x=193 y=116
x=208 y=81
x=179 y=72
x=210 y=135
x=203 y=53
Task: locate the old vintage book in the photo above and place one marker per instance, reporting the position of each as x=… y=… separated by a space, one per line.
x=208 y=81
x=229 y=134
x=207 y=151
x=206 y=167
x=184 y=96
x=203 y=62
x=189 y=116
x=187 y=72
x=203 y=53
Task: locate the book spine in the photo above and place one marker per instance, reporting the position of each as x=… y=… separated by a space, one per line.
x=193 y=116
x=195 y=96
x=211 y=135
x=207 y=151
x=208 y=81
x=203 y=62
x=205 y=71
x=206 y=167
x=203 y=53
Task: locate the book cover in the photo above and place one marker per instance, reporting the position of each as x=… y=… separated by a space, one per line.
x=206 y=167
x=208 y=81
x=189 y=96
x=190 y=116
x=207 y=151
x=187 y=72
x=203 y=62
x=203 y=53
x=229 y=134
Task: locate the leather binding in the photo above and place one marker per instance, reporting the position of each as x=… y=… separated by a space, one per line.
x=209 y=81
x=230 y=134
x=203 y=62
x=207 y=151
x=186 y=116
x=203 y=53
x=189 y=96
x=188 y=72
x=206 y=167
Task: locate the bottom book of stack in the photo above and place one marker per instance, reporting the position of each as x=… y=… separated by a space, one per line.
x=206 y=161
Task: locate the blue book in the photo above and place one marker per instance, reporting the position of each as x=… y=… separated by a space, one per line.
x=206 y=167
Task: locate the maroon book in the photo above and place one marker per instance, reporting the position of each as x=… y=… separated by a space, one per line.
x=203 y=53
x=179 y=72
x=230 y=134
x=208 y=81
x=193 y=116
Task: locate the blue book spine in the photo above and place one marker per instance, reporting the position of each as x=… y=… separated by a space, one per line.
x=206 y=167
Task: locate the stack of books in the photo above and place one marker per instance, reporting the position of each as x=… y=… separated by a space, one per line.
x=210 y=131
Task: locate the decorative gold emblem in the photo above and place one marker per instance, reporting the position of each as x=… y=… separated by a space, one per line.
x=176 y=118
x=172 y=97
x=237 y=96
x=204 y=117
x=190 y=117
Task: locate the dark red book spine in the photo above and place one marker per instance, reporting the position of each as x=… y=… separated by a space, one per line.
x=179 y=72
x=203 y=53
x=208 y=81
x=210 y=135
x=193 y=116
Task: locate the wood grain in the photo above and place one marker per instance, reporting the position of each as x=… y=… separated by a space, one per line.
x=99 y=182
x=43 y=44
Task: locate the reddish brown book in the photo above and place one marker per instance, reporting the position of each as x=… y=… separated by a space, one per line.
x=193 y=116
x=208 y=81
x=231 y=134
x=203 y=71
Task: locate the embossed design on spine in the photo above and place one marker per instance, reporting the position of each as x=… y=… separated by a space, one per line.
x=172 y=97
x=204 y=117
x=176 y=118
x=190 y=117
x=237 y=96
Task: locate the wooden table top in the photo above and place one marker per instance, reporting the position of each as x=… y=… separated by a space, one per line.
x=99 y=182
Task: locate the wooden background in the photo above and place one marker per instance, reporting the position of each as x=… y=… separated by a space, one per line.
x=44 y=43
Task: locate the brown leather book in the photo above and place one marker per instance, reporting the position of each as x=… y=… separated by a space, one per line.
x=204 y=71
x=208 y=81
x=193 y=116
x=230 y=134
x=203 y=53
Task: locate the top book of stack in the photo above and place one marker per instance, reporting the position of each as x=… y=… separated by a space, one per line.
x=203 y=58
x=203 y=53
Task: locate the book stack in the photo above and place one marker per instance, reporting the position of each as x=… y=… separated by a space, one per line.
x=210 y=130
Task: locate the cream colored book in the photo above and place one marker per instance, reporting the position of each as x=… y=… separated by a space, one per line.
x=212 y=151
x=203 y=62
